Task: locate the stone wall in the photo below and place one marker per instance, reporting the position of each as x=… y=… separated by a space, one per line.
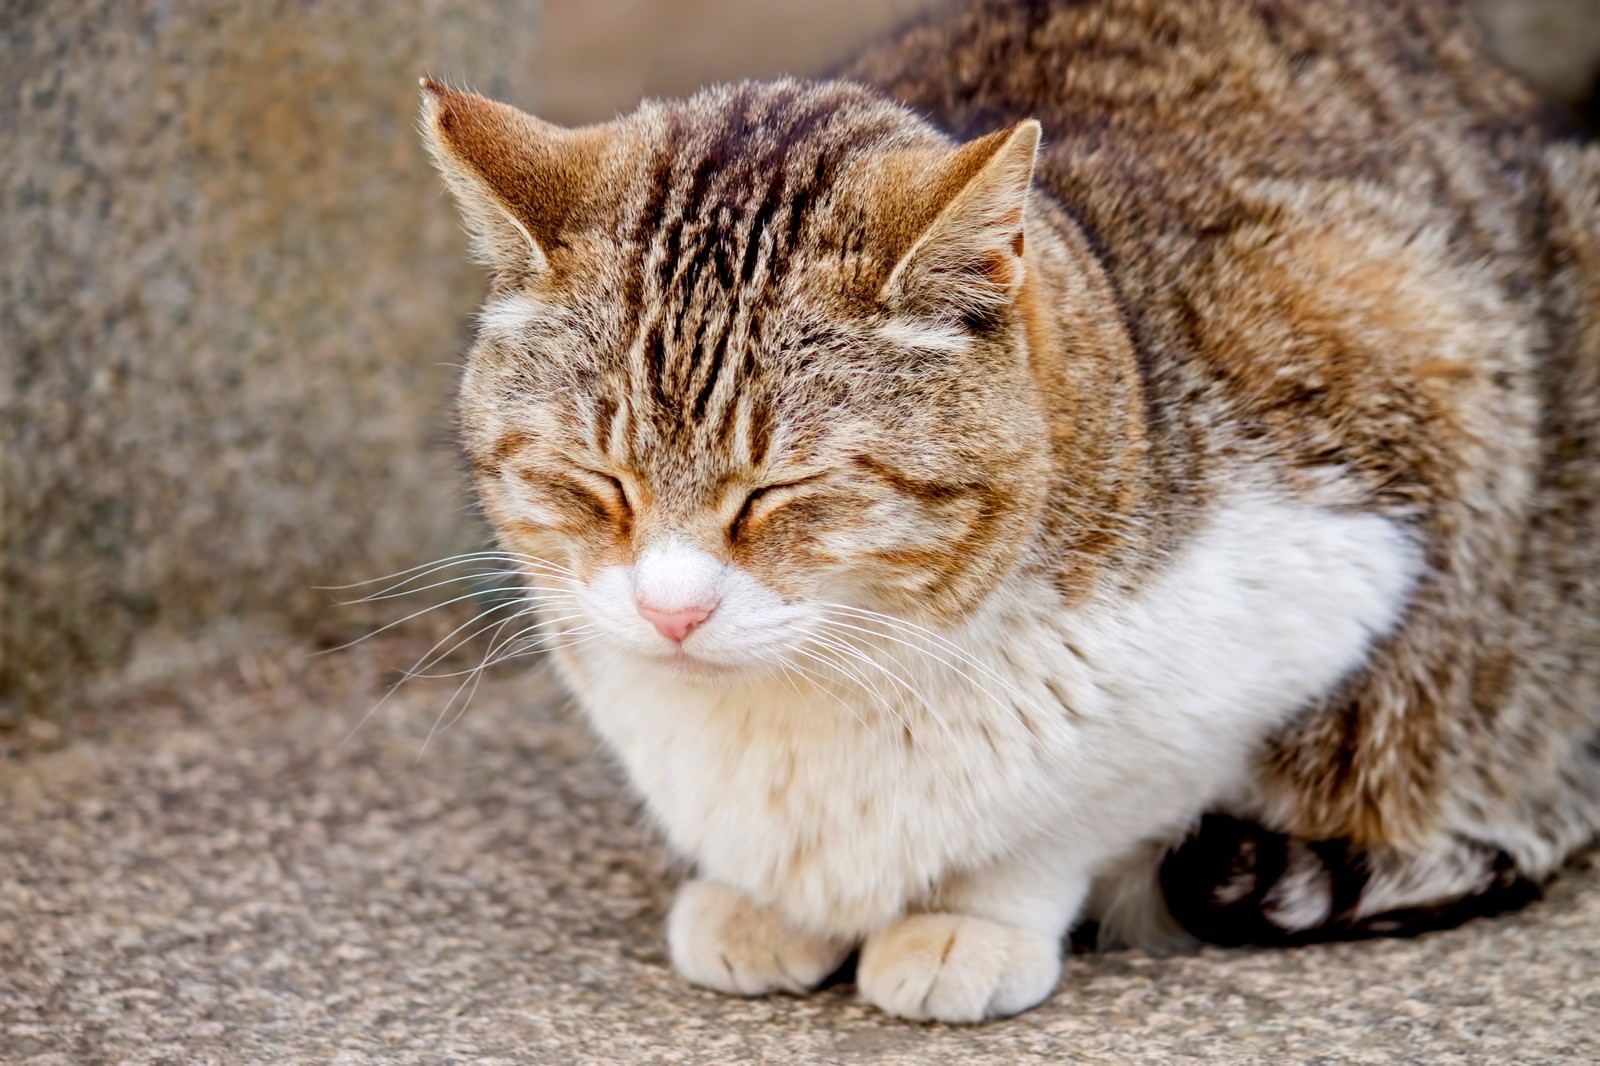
x=231 y=291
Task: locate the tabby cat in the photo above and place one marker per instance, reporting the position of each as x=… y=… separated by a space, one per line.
x=1133 y=460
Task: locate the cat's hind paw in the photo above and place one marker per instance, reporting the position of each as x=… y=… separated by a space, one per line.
x=722 y=940
x=955 y=968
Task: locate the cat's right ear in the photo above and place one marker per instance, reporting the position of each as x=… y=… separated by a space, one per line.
x=520 y=182
x=970 y=207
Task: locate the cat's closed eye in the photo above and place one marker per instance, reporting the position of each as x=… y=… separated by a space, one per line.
x=763 y=500
x=600 y=496
x=608 y=487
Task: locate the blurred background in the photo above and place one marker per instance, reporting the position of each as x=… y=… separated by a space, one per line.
x=234 y=294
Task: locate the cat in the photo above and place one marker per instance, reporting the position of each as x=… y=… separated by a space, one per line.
x=1130 y=460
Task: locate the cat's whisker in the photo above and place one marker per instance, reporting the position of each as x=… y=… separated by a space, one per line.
x=863 y=683
x=520 y=584
x=851 y=673
x=478 y=575
x=451 y=560
x=773 y=659
x=429 y=659
x=911 y=629
x=531 y=639
x=537 y=560
x=850 y=676
x=478 y=594
x=529 y=608
x=411 y=572
x=474 y=678
x=841 y=662
x=495 y=649
x=887 y=705
x=820 y=683
x=519 y=569
x=1013 y=712
x=525 y=596
x=544 y=649
x=483 y=571
x=902 y=625
x=437 y=654
x=856 y=654
x=908 y=627
x=493 y=657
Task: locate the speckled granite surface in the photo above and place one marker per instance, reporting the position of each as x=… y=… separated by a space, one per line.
x=230 y=291
x=207 y=875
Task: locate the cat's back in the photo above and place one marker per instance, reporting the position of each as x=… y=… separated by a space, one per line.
x=1170 y=122
x=1219 y=88
x=1292 y=201
x=1352 y=251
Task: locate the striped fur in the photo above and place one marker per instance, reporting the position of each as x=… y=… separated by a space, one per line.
x=1245 y=455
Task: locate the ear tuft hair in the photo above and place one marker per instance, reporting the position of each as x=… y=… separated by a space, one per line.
x=520 y=182
x=970 y=257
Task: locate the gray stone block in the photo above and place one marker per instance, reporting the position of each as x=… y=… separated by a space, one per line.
x=231 y=298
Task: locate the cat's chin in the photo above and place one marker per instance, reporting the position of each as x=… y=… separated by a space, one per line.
x=693 y=668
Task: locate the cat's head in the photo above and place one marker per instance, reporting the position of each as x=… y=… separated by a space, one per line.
x=749 y=355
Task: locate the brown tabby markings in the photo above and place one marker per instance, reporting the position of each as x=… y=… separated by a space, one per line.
x=721 y=211
x=1270 y=271
x=510 y=444
x=1325 y=241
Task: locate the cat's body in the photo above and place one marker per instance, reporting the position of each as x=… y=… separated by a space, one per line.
x=1340 y=238
x=1247 y=464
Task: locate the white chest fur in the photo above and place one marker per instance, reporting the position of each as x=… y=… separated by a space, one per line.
x=1078 y=733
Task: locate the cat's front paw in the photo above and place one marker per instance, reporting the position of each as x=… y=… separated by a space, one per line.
x=722 y=940
x=954 y=968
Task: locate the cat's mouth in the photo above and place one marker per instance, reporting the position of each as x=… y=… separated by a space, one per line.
x=696 y=668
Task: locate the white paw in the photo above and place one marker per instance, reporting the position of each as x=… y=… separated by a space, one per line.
x=722 y=940
x=952 y=968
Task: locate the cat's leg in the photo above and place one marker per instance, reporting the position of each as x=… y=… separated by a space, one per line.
x=1126 y=905
x=991 y=947
x=721 y=939
x=1233 y=882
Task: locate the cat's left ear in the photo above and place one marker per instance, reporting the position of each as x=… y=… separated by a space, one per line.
x=521 y=183
x=969 y=257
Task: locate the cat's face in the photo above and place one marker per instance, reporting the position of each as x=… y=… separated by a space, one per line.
x=750 y=362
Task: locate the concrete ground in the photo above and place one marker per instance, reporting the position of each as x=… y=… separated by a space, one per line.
x=206 y=874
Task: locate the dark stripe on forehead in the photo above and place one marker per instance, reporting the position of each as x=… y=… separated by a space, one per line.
x=758 y=226
x=727 y=422
x=655 y=363
x=806 y=194
x=725 y=158
x=660 y=186
x=711 y=249
x=722 y=435
x=804 y=197
x=727 y=207
x=713 y=370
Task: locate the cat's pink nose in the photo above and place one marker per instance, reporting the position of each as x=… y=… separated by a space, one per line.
x=676 y=624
